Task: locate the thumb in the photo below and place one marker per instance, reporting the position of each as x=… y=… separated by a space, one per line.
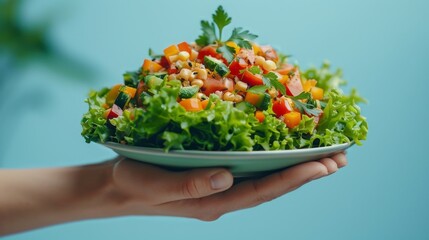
x=200 y=183
x=159 y=185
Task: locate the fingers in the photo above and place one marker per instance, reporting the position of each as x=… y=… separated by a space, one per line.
x=340 y=159
x=254 y=192
x=156 y=185
x=249 y=193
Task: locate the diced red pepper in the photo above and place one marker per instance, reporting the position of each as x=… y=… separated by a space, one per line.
x=281 y=107
x=164 y=62
x=252 y=79
x=210 y=51
x=236 y=67
x=184 y=46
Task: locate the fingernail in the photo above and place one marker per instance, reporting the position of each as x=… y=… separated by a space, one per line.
x=220 y=180
x=317 y=176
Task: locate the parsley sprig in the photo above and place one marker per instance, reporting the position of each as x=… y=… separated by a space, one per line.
x=309 y=106
x=270 y=79
x=211 y=35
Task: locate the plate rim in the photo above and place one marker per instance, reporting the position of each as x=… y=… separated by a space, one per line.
x=139 y=149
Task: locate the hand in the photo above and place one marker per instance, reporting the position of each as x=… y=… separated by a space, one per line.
x=42 y=197
x=205 y=194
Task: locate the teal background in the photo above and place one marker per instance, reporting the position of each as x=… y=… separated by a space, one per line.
x=382 y=47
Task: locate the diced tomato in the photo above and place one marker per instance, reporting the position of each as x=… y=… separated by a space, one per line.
x=172 y=69
x=252 y=79
x=292 y=119
x=212 y=85
x=184 y=46
x=210 y=51
x=294 y=86
x=281 y=107
x=191 y=104
x=113 y=112
x=236 y=67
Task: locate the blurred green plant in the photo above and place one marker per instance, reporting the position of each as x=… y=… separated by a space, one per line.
x=21 y=44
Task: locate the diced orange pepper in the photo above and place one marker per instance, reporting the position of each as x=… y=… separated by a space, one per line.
x=233 y=45
x=292 y=119
x=260 y=116
x=317 y=93
x=112 y=94
x=184 y=46
x=151 y=66
x=191 y=104
x=204 y=104
x=170 y=51
x=130 y=91
x=106 y=113
x=309 y=84
x=252 y=98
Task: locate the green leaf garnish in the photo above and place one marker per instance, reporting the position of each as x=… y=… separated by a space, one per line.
x=309 y=107
x=270 y=79
x=220 y=17
x=212 y=36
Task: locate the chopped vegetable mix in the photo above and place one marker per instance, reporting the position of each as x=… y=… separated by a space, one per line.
x=228 y=94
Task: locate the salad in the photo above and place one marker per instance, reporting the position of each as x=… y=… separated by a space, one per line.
x=229 y=94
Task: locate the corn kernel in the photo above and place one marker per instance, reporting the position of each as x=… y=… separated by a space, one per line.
x=172 y=76
x=201 y=96
x=173 y=58
x=260 y=61
x=202 y=74
x=194 y=55
x=241 y=86
x=238 y=98
x=185 y=74
x=183 y=55
x=197 y=82
x=269 y=65
x=185 y=83
x=228 y=96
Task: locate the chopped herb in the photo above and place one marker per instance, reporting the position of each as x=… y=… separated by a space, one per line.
x=309 y=106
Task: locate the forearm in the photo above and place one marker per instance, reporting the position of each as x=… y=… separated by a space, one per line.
x=41 y=197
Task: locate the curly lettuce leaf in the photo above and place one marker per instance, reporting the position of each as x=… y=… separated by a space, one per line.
x=326 y=79
x=342 y=115
x=93 y=123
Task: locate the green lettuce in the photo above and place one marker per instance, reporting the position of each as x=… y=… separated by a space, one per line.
x=163 y=123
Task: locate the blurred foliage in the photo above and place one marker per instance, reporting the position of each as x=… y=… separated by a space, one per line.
x=21 y=44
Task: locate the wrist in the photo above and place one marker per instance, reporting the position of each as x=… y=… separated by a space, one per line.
x=99 y=195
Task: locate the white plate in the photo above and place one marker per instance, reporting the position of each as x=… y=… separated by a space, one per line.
x=240 y=163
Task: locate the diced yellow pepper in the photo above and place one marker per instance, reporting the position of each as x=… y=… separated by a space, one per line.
x=233 y=45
